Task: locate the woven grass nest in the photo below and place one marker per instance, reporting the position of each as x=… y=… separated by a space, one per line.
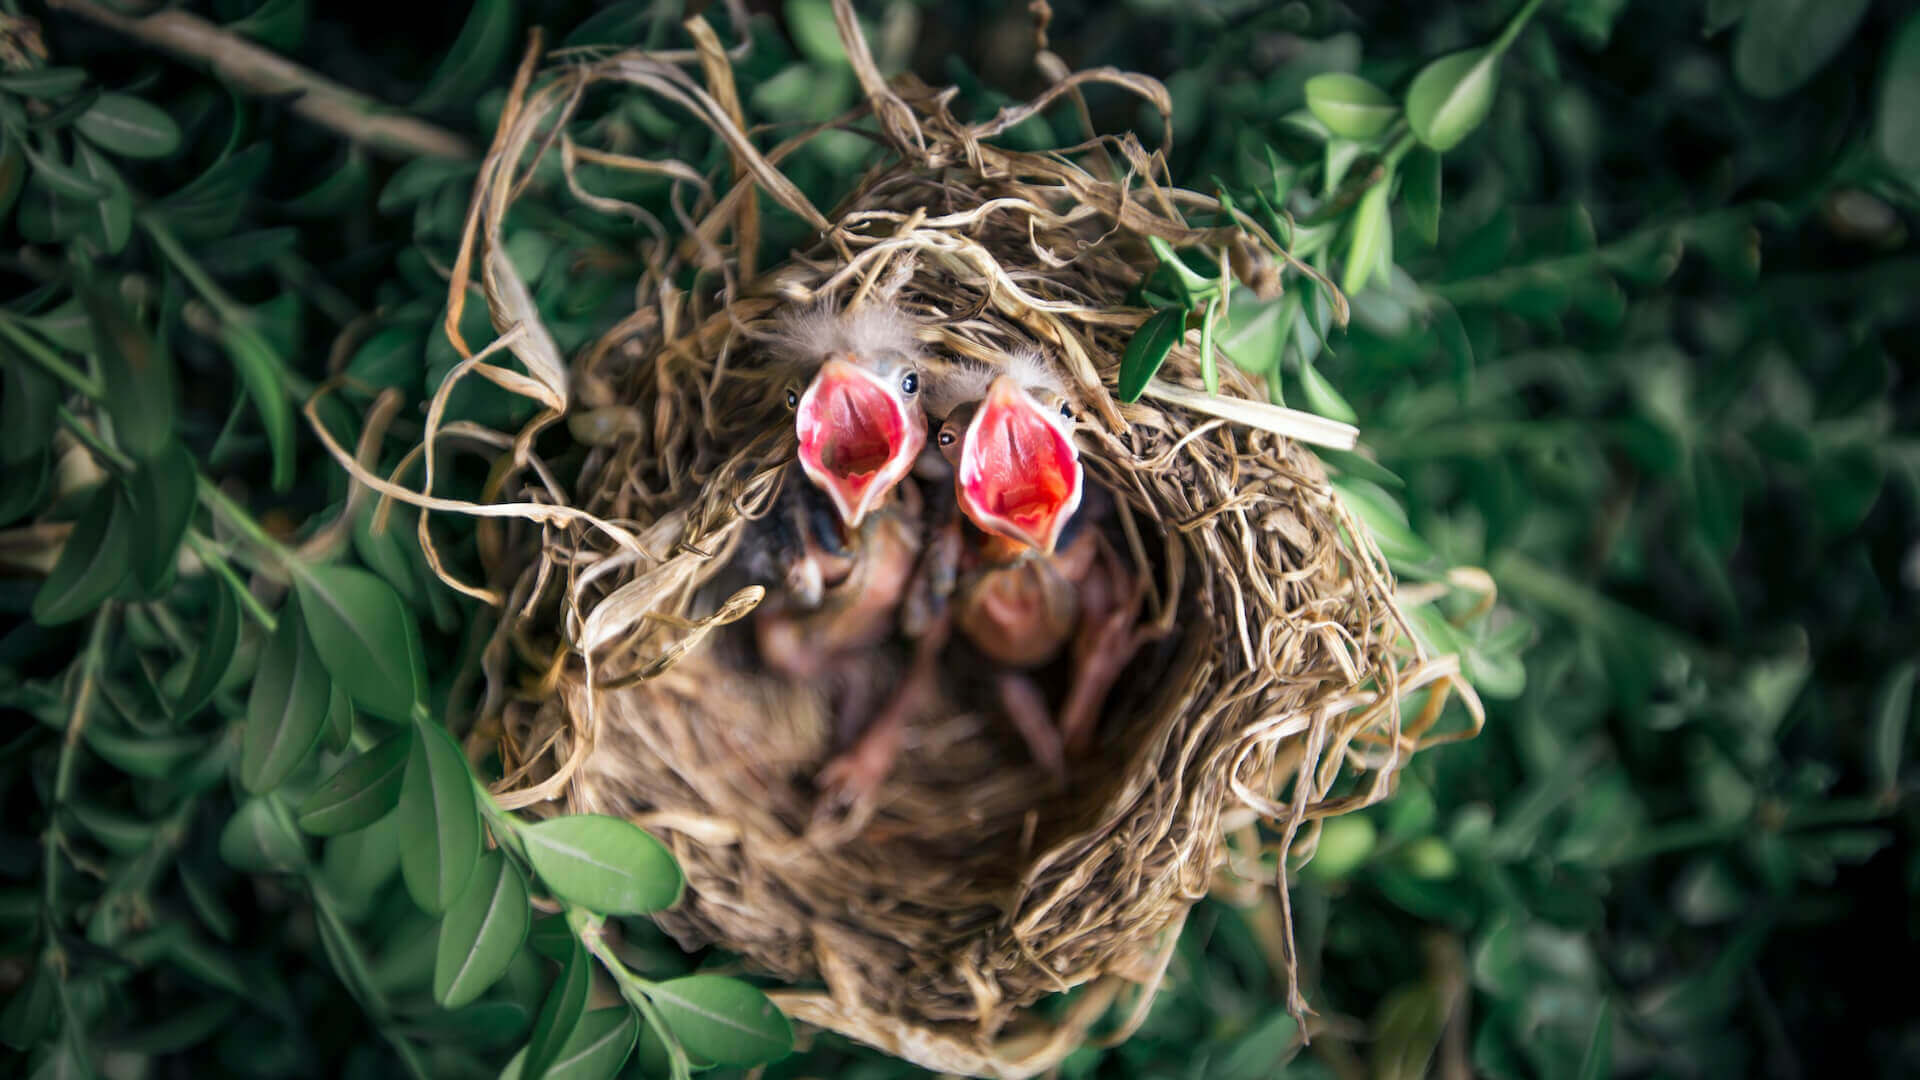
x=942 y=921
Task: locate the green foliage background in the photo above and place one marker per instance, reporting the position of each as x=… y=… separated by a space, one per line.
x=1639 y=343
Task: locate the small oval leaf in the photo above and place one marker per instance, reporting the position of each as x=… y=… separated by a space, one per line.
x=259 y=839
x=113 y=215
x=1148 y=350
x=44 y=83
x=361 y=792
x=1372 y=235
x=481 y=932
x=723 y=1020
x=559 y=1015
x=439 y=825
x=1896 y=129
x=129 y=127
x=1451 y=96
x=1421 y=193
x=286 y=708
x=216 y=653
x=96 y=558
x=365 y=635
x=603 y=864
x=163 y=497
x=1349 y=105
x=136 y=374
x=598 y=1047
x=1783 y=43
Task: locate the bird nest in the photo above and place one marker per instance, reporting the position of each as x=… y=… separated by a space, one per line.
x=974 y=916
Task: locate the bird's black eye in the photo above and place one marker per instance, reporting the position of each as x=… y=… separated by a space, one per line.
x=793 y=399
x=946 y=438
x=910 y=384
x=1066 y=410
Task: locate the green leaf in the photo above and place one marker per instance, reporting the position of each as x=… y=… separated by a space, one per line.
x=129 y=127
x=263 y=374
x=44 y=83
x=724 y=1020
x=27 y=414
x=365 y=635
x=559 y=1015
x=1322 y=398
x=25 y=485
x=603 y=864
x=277 y=24
x=259 y=839
x=29 y=1012
x=1372 y=241
x=1783 y=43
x=113 y=214
x=1421 y=193
x=474 y=57
x=598 y=1046
x=439 y=824
x=338 y=732
x=481 y=932
x=1598 y=1062
x=1255 y=334
x=345 y=189
x=148 y=756
x=61 y=179
x=285 y=710
x=210 y=204
x=1892 y=712
x=13 y=173
x=163 y=497
x=1349 y=105
x=136 y=373
x=1451 y=96
x=210 y=664
x=116 y=832
x=1896 y=130
x=348 y=959
x=361 y=792
x=1148 y=350
x=97 y=556
x=815 y=31
x=1384 y=517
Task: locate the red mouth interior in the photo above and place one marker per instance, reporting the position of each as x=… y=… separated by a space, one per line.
x=1024 y=469
x=852 y=429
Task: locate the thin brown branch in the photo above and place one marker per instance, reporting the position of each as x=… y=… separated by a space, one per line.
x=261 y=71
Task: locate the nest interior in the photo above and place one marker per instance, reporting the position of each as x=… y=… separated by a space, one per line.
x=972 y=889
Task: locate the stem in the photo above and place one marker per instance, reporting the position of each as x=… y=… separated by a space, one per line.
x=1514 y=26
x=113 y=458
x=225 y=508
x=250 y=67
x=1398 y=150
x=229 y=309
x=216 y=560
x=63 y=771
x=588 y=928
x=50 y=360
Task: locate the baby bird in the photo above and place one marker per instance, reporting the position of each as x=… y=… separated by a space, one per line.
x=845 y=546
x=858 y=420
x=1030 y=581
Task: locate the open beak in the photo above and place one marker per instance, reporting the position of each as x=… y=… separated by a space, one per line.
x=1019 y=473
x=857 y=436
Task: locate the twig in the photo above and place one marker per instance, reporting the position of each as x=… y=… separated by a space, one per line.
x=250 y=67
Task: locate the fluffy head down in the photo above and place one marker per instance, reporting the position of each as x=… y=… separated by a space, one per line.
x=879 y=332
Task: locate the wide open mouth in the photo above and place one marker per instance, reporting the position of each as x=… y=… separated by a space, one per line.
x=1019 y=472
x=856 y=439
